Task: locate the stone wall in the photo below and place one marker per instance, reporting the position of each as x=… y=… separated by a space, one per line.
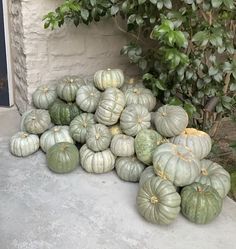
x=43 y=56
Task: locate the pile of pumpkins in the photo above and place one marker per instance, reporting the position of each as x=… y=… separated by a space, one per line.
x=113 y=122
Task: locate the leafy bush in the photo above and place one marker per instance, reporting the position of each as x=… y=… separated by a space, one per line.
x=184 y=48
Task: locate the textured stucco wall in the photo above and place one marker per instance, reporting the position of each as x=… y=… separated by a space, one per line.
x=43 y=56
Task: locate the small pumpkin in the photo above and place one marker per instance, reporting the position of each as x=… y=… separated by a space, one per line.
x=63 y=157
x=115 y=130
x=122 y=145
x=97 y=162
x=170 y=120
x=214 y=175
x=147 y=174
x=129 y=168
x=111 y=104
x=63 y=113
x=134 y=118
x=87 y=98
x=131 y=83
x=68 y=86
x=23 y=144
x=104 y=79
x=157 y=201
x=98 y=137
x=79 y=126
x=44 y=96
x=198 y=141
x=55 y=135
x=142 y=96
x=145 y=143
x=36 y=121
x=200 y=203
x=176 y=163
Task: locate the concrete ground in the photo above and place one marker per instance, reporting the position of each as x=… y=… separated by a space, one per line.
x=42 y=210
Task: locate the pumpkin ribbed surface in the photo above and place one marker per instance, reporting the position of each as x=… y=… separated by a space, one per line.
x=147 y=174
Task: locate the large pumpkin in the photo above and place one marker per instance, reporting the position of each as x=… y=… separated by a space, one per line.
x=111 y=104
x=96 y=162
x=147 y=174
x=98 y=137
x=44 y=96
x=200 y=203
x=63 y=157
x=87 y=98
x=176 y=163
x=79 y=126
x=63 y=113
x=36 y=121
x=145 y=143
x=55 y=135
x=23 y=144
x=170 y=120
x=104 y=79
x=142 y=96
x=157 y=201
x=68 y=87
x=198 y=141
x=129 y=168
x=216 y=176
x=122 y=145
x=134 y=118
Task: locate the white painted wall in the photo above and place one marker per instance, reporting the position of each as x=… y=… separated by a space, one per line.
x=43 y=56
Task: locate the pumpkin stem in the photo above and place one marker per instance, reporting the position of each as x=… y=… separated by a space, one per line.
x=162 y=175
x=154 y=199
x=164 y=114
x=137 y=91
x=71 y=81
x=131 y=81
x=97 y=136
x=199 y=189
x=24 y=135
x=204 y=172
x=45 y=89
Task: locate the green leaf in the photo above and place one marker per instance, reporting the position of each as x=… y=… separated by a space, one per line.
x=93 y=2
x=153 y=1
x=141 y=1
x=230 y=4
x=139 y=20
x=175 y=101
x=190 y=109
x=201 y=37
x=147 y=77
x=233 y=145
x=168 y=4
x=212 y=71
x=160 y=85
x=142 y=64
x=114 y=10
x=233 y=87
x=216 y=3
x=84 y=14
x=131 y=19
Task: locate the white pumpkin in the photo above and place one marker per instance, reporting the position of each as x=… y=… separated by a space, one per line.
x=55 y=135
x=23 y=144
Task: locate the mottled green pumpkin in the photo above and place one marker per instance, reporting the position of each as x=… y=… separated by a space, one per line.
x=157 y=201
x=63 y=113
x=176 y=163
x=200 y=203
x=63 y=157
x=214 y=175
x=145 y=143
x=129 y=168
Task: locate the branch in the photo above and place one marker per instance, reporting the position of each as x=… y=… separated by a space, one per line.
x=211 y=104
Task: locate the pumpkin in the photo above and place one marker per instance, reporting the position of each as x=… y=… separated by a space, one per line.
x=134 y=118
x=198 y=141
x=214 y=175
x=170 y=120
x=68 y=87
x=23 y=144
x=97 y=162
x=104 y=79
x=87 y=98
x=200 y=203
x=36 y=121
x=142 y=96
x=79 y=126
x=129 y=168
x=110 y=106
x=157 y=201
x=44 y=96
x=176 y=163
x=63 y=157
x=122 y=145
x=63 y=113
x=115 y=130
x=98 y=137
x=55 y=135
x=145 y=143
x=147 y=174
x=131 y=83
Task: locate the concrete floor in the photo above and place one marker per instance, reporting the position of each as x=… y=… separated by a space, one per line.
x=42 y=210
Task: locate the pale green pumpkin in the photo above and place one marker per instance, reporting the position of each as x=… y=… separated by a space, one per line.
x=129 y=168
x=145 y=143
x=200 y=203
x=214 y=175
x=131 y=83
x=176 y=163
x=157 y=201
x=23 y=144
x=147 y=174
x=63 y=157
